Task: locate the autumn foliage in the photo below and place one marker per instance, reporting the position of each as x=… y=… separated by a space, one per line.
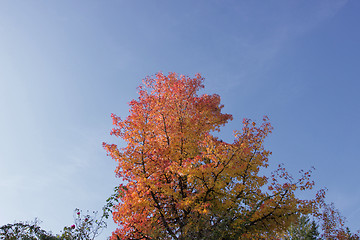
x=332 y=222
x=182 y=182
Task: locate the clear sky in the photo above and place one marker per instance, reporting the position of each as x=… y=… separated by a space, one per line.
x=65 y=66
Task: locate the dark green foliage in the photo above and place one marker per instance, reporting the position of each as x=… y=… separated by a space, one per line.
x=86 y=227
x=24 y=231
x=304 y=229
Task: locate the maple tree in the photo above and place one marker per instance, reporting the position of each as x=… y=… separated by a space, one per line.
x=180 y=181
x=333 y=223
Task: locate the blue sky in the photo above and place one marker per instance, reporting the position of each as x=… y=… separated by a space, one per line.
x=67 y=65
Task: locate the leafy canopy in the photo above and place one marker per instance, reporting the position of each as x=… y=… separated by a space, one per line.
x=182 y=182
